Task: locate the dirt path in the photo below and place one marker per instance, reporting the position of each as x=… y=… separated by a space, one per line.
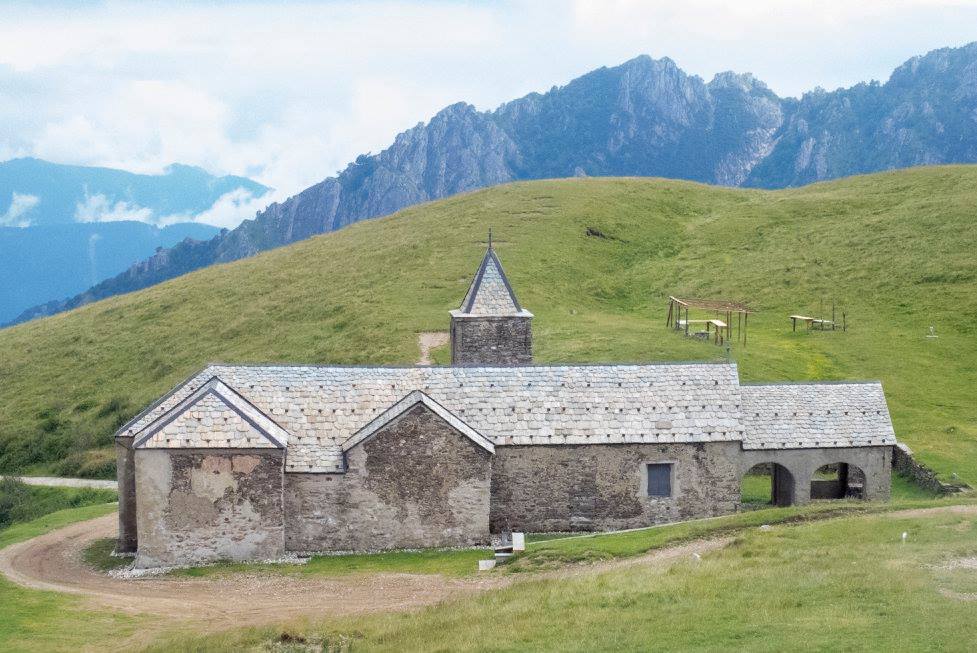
x=427 y=341
x=57 y=481
x=53 y=562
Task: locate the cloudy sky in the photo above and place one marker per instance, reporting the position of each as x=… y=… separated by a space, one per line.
x=288 y=93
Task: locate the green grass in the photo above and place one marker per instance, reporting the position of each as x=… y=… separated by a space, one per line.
x=844 y=584
x=756 y=489
x=893 y=250
x=98 y=555
x=447 y=562
x=20 y=502
x=47 y=621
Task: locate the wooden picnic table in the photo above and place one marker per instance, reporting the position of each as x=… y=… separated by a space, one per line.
x=811 y=321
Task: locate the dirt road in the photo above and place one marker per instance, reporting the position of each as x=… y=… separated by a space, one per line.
x=53 y=562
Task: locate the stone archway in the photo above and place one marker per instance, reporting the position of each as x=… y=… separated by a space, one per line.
x=766 y=484
x=838 y=481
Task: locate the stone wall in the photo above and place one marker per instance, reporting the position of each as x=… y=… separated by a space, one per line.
x=491 y=340
x=417 y=482
x=126 y=476
x=603 y=487
x=904 y=463
x=202 y=505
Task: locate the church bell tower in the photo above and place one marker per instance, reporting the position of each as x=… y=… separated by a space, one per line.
x=490 y=327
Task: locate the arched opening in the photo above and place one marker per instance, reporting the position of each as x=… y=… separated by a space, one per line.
x=838 y=481
x=767 y=484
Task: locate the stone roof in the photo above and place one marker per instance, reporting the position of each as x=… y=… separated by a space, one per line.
x=323 y=407
x=806 y=415
x=490 y=293
x=213 y=416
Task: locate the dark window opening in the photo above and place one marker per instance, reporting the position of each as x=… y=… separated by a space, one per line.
x=660 y=480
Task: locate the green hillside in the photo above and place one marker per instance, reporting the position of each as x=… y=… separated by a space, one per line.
x=895 y=251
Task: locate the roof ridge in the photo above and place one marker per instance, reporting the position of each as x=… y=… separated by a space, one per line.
x=359 y=366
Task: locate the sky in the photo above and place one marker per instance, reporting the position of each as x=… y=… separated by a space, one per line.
x=289 y=93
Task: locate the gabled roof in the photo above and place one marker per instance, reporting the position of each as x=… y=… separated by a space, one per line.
x=414 y=398
x=814 y=415
x=322 y=407
x=213 y=416
x=490 y=293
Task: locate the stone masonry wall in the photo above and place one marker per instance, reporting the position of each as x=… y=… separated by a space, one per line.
x=904 y=463
x=126 y=475
x=202 y=505
x=491 y=341
x=415 y=483
x=603 y=487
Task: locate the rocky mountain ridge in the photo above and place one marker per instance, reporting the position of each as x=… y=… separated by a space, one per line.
x=645 y=117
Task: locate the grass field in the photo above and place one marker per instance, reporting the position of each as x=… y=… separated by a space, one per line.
x=894 y=251
x=843 y=584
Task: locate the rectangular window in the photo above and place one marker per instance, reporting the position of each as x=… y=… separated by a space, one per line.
x=660 y=480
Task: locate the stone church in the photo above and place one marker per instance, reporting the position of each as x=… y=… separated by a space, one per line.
x=250 y=462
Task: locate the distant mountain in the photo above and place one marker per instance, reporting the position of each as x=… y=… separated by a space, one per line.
x=66 y=228
x=35 y=192
x=645 y=117
x=60 y=260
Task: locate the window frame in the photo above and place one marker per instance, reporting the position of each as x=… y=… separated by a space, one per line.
x=646 y=479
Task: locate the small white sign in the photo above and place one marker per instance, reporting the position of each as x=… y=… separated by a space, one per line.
x=518 y=542
x=485 y=565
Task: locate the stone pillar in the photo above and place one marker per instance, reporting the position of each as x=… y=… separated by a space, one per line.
x=125 y=466
x=783 y=486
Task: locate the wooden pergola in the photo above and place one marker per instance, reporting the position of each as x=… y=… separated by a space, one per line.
x=718 y=306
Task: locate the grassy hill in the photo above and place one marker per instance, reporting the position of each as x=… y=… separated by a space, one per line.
x=894 y=251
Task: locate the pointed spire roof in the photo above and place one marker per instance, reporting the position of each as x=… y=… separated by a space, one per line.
x=490 y=293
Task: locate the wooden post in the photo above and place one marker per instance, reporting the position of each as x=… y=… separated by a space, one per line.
x=794 y=321
x=739 y=325
x=844 y=323
x=668 y=321
x=832 y=315
x=746 y=317
x=686 y=321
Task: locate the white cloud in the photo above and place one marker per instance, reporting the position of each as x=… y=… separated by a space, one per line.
x=98 y=208
x=288 y=93
x=20 y=205
x=228 y=211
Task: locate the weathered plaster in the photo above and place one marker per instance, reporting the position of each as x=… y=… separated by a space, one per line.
x=199 y=505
